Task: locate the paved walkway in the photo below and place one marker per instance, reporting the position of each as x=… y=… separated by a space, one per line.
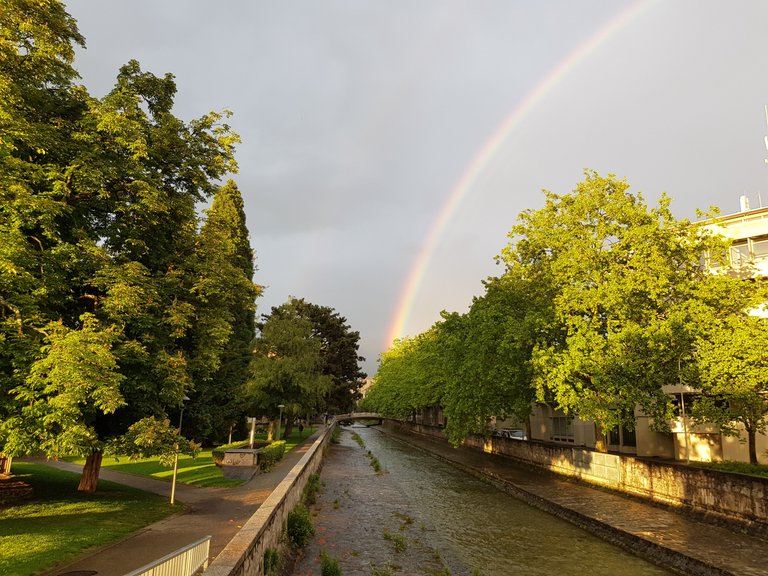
x=671 y=538
x=215 y=512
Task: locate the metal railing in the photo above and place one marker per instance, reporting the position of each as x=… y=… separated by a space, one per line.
x=185 y=561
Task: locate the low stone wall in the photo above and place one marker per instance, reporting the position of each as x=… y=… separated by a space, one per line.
x=731 y=497
x=244 y=555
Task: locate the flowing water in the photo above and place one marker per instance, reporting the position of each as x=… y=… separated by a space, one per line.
x=423 y=516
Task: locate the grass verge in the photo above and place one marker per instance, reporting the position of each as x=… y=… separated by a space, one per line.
x=59 y=523
x=199 y=471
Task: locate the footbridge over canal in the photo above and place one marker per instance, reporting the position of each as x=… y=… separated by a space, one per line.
x=364 y=417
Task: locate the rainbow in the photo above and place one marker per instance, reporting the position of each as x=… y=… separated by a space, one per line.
x=487 y=152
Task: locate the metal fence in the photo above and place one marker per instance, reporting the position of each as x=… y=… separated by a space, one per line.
x=185 y=561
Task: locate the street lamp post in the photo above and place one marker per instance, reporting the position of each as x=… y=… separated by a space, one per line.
x=280 y=419
x=176 y=455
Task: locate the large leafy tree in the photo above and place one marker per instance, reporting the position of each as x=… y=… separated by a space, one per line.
x=339 y=346
x=97 y=233
x=488 y=352
x=411 y=376
x=287 y=367
x=621 y=276
x=734 y=376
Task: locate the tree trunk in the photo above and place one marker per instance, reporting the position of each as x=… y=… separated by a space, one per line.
x=601 y=445
x=288 y=428
x=5 y=464
x=90 y=477
x=751 y=444
x=270 y=430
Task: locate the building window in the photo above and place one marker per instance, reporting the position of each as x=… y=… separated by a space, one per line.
x=740 y=253
x=562 y=429
x=760 y=248
x=622 y=437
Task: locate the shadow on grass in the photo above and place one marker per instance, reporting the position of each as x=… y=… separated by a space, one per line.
x=57 y=523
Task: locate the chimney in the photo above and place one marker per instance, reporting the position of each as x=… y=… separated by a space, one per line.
x=744 y=202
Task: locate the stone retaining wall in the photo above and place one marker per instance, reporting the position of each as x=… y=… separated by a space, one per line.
x=731 y=497
x=244 y=555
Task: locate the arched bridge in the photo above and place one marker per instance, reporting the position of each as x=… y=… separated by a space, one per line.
x=359 y=416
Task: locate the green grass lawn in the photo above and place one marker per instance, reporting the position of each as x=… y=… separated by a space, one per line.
x=199 y=471
x=59 y=522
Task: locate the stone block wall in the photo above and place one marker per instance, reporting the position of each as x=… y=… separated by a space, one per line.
x=244 y=555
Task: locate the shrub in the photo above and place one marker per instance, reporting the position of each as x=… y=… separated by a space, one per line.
x=299 y=527
x=329 y=566
x=271 y=561
x=311 y=489
x=271 y=455
x=217 y=454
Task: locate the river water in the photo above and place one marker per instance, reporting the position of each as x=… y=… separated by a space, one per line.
x=422 y=516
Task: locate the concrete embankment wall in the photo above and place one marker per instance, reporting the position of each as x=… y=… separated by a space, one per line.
x=244 y=555
x=731 y=497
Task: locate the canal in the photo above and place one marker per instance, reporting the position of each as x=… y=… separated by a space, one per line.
x=419 y=515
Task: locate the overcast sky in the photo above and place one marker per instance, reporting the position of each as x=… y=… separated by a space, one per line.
x=360 y=119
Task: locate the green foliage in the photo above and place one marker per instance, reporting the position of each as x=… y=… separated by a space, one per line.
x=218 y=452
x=340 y=360
x=383 y=570
x=286 y=367
x=734 y=376
x=329 y=566
x=619 y=276
x=150 y=437
x=399 y=542
x=271 y=562
x=311 y=489
x=112 y=305
x=602 y=302
x=225 y=323
x=356 y=437
x=271 y=455
x=411 y=376
x=760 y=470
x=299 y=526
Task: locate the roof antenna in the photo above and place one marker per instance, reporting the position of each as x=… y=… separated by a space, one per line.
x=766 y=138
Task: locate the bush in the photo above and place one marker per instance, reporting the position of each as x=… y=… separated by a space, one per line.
x=299 y=526
x=311 y=489
x=217 y=454
x=271 y=561
x=329 y=566
x=271 y=455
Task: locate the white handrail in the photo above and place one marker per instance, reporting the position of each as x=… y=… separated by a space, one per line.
x=185 y=561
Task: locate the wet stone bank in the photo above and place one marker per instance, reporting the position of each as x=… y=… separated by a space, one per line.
x=421 y=516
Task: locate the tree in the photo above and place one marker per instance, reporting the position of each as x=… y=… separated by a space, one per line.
x=226 y=314
x=97 y=232
x=286 y=367
x=488 y=353
x=339 y=346
x=621 y=276
x=734 y=376
x=411 y=376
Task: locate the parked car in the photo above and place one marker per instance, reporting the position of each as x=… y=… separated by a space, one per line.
x=513 y=433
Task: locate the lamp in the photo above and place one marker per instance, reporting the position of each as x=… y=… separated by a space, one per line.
x=280 y=419
x=176 y=455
